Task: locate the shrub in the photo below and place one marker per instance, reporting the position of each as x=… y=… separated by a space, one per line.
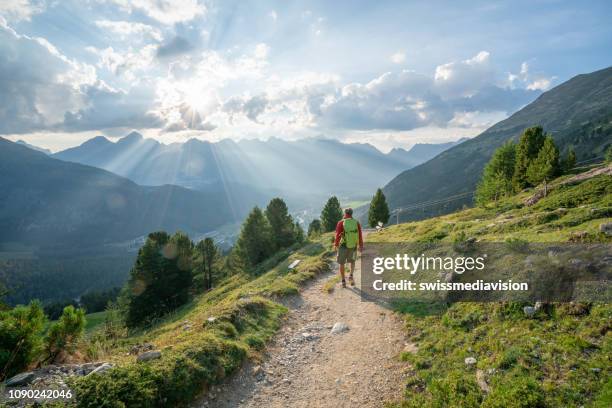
x=516 y=392
x=64 y=335
x=20 y=337
x=455 y=390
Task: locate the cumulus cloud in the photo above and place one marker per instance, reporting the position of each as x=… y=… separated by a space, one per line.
x=166 y=12
x=17 y=10
x=251 y=107
x=464 y=78
x=126 y=63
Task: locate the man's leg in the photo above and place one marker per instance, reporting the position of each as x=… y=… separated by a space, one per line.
x=351 y=276
x=342 y=274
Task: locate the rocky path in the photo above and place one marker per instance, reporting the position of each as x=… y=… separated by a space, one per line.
x=307 y=365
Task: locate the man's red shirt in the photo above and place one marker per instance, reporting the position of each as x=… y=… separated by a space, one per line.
x=340 y=230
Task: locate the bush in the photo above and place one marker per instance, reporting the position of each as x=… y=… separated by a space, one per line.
x=64 y=335
x=20 y=337
x=455 y=390
x=516 y=392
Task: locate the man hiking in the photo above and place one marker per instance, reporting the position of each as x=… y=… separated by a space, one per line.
x=348 y=238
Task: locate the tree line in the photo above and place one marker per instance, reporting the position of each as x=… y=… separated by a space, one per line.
x=513 y=167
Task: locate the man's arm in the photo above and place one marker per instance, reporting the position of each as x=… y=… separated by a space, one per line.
x=339 y=231
x=360 y=237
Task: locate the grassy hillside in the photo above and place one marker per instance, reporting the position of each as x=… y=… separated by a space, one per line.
x=201 y=343
x=576 y=113
x=558 y=358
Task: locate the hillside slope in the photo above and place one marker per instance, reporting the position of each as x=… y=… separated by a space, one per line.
x=49 y=202
x=559 y=357
x=577 y=113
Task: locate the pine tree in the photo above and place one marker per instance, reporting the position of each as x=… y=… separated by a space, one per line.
x=569 y=162
x=497 y=175
x=281 y=223
x=379 y=210
x=608 y=156
x=298 y=233
x=546 y=166
x=255 y=241
x=160 y=279
x=207 y=255
x=527 y=150
x=331 y=214
x=314 y=228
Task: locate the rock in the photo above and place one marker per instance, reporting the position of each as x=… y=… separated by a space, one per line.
x=606 y=228
x=21 y=379
x=211 y=319
x=538 y=306
x=339 y=327
x=470 y=361
x=149 y=355
x=529 y=311
x=257 y=370
x=596 y=370
x=101 y=369
x=482 y=382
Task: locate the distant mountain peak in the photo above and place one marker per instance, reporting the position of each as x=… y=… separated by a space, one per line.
x=132 y=137
x=31 y=146
x=96 y=141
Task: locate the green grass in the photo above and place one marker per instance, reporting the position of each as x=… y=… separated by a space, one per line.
x=245 y=313
x=94 y=320
x=559 y=358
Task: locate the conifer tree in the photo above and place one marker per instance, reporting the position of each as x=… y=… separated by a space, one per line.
x=527 y=150
x=379 y=210
x=314 y=228
x=546 y=166
x=281 y=223
x=331 y=214
x=255 y=241
x=298 y=233
x=497 y=175
x=207 y=255
x=160 y=279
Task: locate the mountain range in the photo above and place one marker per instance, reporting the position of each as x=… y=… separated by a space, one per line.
x=576 y=113
x=307 y=169
x=48 y=202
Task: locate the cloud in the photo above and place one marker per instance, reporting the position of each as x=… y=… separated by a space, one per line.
x=464 y=78
x=177 y=46
x=38 y=84
x=251 y=107
x=541 y=84
x=398 y=57
x=166 y=12
x=126 y=29
x=273 y=15
x=18 y=10
x=125 y=63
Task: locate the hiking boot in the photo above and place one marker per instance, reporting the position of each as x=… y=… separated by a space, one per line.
x=343 y=283
x=351 y=280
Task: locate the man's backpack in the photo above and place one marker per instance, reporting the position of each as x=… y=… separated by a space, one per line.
x=350 y=236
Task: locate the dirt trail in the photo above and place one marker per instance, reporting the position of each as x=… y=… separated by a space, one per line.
x=308 y=366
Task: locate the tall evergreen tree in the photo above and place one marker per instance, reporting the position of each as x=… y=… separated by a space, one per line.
x=298 y=233
x=527 y=150
x=281 y=223
x=160 y=279
x=331 y=214
x=496 y=178
x=255 y=241
x=379 y=210
x=546 y=166
x=207 y=255
x=314 y=228
x=608 y=155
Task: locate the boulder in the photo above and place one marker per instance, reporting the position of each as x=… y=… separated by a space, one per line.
x=339 y=327
x=21 y=379
x=606 y=228
x=149 y=355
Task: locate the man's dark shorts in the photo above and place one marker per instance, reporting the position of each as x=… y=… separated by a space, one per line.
x=346 y=255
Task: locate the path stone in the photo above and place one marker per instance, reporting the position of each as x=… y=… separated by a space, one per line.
x=149 y=355
x=20 y=379
x=339 y=327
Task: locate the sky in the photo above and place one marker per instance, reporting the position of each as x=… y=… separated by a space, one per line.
x=389 y=73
